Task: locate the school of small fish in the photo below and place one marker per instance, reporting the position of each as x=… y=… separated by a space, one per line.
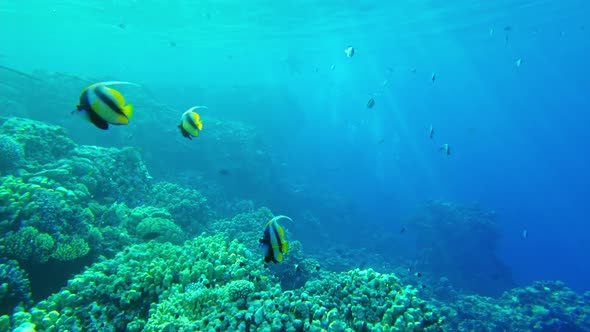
x=102 y=105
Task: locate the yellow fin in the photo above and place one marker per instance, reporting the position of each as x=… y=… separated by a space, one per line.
x=128 y=110
x=279 y=257
x=200 y=125
x=285 y=247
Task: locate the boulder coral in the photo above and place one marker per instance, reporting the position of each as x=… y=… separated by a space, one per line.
x=11 y=154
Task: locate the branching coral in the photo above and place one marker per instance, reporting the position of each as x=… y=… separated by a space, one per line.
x=71 y=249
x=14 y=286
x=27 y=244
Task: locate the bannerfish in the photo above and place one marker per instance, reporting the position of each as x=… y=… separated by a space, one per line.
x=190 y=122
x=349 y=51
x=446 y=149
x=431 y=132
x=273 y=243
x=102 y=105
x=433 y=77
x=525 y=234
x=518 y=62
x=371 y=103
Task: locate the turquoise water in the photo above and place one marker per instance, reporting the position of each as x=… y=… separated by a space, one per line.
x=503 y=83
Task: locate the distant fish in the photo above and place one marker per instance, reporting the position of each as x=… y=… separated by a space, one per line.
x=431 y=132
x=446 y=149
x=224 y=171
x=409 y=268
x=507 y=28
x=122 y=25
x=102 y=105
x=492 y=32
x=525 y=234
x=349 y=51
x=413 y=70
x=190 y=122
x=332 y=67
x=518 y=62
x=381 y=141
x=433 y=77
x=418 y=274
x=371 y=103
x=402 y=231
x=172 y=43
x=273 y=242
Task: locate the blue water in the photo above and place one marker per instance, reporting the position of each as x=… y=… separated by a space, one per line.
x=518 y=134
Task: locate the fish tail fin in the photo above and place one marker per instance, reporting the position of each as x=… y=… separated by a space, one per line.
x=128 y=111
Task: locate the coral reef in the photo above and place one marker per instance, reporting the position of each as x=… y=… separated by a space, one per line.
x=27 y=244
x=97 y=213
x=42 y=143
x=11 y=154
x=543 y=306
x=210 y=282
x=14 y=287
x=160 y=229
x=117 y=294
x=72 y=201
x=188 y=207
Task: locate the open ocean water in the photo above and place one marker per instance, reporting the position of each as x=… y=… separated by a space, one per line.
x=433 y=157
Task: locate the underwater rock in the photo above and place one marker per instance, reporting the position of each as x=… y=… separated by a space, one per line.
x=467 y=254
